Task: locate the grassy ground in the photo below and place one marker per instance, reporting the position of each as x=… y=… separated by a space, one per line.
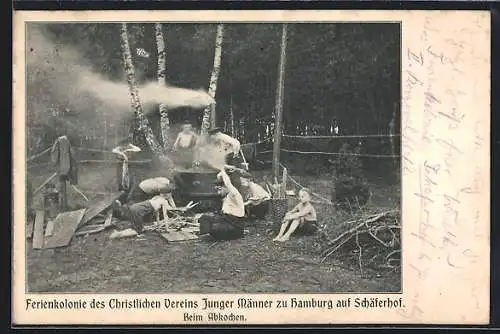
x=253 y=264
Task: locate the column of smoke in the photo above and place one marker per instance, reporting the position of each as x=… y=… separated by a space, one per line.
x=57 y=75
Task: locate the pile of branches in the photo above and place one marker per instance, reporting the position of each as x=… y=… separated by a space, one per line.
x=372 y=241
x=173 y=224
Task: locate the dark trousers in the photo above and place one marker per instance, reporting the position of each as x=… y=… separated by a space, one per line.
x=222 y=226
x=258 y=211
x=306 y=228
x=139 y=214
x=136 y=194
x=234 y=159
x=184 y=157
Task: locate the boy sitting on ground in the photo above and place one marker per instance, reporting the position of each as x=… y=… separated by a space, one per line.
x=229 y=224
x=301 y=219
x=256 y=199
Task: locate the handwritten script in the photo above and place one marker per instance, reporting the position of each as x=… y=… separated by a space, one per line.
x=445 y=170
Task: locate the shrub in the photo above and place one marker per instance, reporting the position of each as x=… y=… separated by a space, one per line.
x=351 y=187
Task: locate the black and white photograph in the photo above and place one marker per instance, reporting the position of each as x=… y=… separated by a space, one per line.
x=213 y=157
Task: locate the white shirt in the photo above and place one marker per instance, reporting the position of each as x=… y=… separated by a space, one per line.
x=228 y=143
x=256 y=193
x=155 y=185
x=233 y=205
x=158 y=202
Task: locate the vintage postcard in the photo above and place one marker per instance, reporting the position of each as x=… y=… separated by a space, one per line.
x=251 y=167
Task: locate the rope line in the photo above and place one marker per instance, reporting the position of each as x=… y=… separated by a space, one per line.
x=340 y=137
x=339 y=153
x=258 y=142
x=38 y=155
x=91 y=150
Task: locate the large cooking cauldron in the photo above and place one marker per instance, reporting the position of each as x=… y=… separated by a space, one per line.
x=198 y=184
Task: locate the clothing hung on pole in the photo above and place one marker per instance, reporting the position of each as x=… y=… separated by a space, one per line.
x=62 y=157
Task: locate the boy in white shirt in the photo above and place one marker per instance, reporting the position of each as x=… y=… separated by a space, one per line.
x=256 y=199
x=227 y=144
x=145 y=211
x=148 y=188
x=229 y=224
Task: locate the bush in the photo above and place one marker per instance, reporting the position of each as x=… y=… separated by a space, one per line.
x=351 y=191
x=351 y=187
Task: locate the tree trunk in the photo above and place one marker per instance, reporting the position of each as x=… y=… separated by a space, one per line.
x=392 y=132
x=231 y=114
x=279 y=104
x=162 y=80
x=142 y=122
x=105 y=141
x=209 y=117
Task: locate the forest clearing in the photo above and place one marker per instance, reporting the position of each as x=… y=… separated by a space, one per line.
x=94 y=263
x=108 y=106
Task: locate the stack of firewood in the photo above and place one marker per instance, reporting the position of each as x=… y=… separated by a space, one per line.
x=172 y=224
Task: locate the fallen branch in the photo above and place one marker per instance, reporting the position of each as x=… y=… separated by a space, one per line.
x=47 y=150
x=387 y=257
x=359 y=253
x=378 y=239
x=365 y=225
x=350 y=231
x=334 y=249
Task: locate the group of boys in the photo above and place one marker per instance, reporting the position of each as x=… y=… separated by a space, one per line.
x=151 y=199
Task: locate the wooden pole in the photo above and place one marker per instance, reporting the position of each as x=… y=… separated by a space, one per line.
x=278 y=113
x=63 y=193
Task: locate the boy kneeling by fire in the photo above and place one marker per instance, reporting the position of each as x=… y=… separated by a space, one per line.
x=146 y=202
x=230 y=222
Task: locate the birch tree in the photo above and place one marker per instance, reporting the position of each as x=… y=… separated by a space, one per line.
x=162 y=80
x=209 y=112
x=142 y=122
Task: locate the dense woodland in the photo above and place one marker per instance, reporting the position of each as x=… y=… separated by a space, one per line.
x=345 y=75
